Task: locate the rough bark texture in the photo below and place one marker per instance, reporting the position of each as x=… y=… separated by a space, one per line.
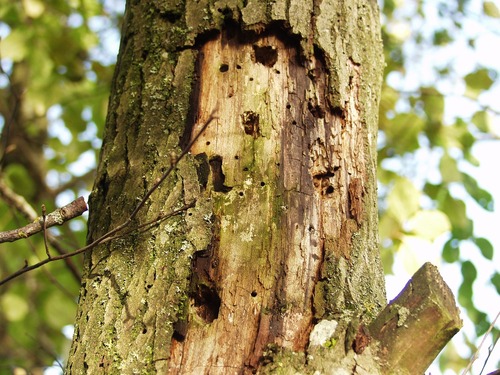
x=282 y=240
x=425 y=309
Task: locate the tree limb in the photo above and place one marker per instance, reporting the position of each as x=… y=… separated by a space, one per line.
x=57 y=217
x=114 y=233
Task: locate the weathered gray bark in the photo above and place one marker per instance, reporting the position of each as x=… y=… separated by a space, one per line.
x=283 y=234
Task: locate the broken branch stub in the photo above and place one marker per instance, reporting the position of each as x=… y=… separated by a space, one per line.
x=415 y=326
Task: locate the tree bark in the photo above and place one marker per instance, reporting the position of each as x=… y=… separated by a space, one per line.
x=277 y=263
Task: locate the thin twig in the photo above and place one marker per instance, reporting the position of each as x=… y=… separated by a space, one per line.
x=476 y=354
x=46 y=272
x=113 y=233
x=18 y=202
x=490 y=350
x=44 y=218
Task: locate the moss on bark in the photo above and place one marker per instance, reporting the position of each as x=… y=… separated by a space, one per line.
x=284 y=228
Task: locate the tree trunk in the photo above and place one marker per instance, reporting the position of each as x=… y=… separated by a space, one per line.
x=276 y=262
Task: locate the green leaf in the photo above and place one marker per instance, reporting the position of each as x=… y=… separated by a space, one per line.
x=495 y=280
x=433 y=103
x=482 y=120
x=429 y=224
x=469 y=272
x=485 y=246
x=465 y=295
x=403 y=200
x=490 y=9
x=449 y=169
x=461 y=225
x=451 y=251
x=481 y=196
x=442 y=37
x=402 y=132
x=389 y=227
x=477 y=82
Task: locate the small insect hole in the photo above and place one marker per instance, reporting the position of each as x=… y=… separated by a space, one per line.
x=262 y=183
x=236 y=157
x=250 y=79
x=144 y=331
x=224 y=68
x=329 y=190
x=207 y=143
x=288 y=106
x=238 y=66
x=241 y=194
x=253 y=294
x=245 y=169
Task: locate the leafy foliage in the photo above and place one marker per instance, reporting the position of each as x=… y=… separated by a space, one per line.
x=417 y=116
x=55 y=76
x=54 y=90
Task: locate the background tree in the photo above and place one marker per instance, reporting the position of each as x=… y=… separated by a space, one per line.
x=69 y=91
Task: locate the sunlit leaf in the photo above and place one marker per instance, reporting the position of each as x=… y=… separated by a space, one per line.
x=482 y=120
x=433 y=103
x=449 y=169
x=389 y=227
x=490 y=9
x=477 y=82
x=411 y=247
x=403 y=200
x=429 y=224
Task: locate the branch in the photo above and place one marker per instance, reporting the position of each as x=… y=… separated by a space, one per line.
x=107 y=237
x=114 y=233
x=58 y=217
x=18 y=202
